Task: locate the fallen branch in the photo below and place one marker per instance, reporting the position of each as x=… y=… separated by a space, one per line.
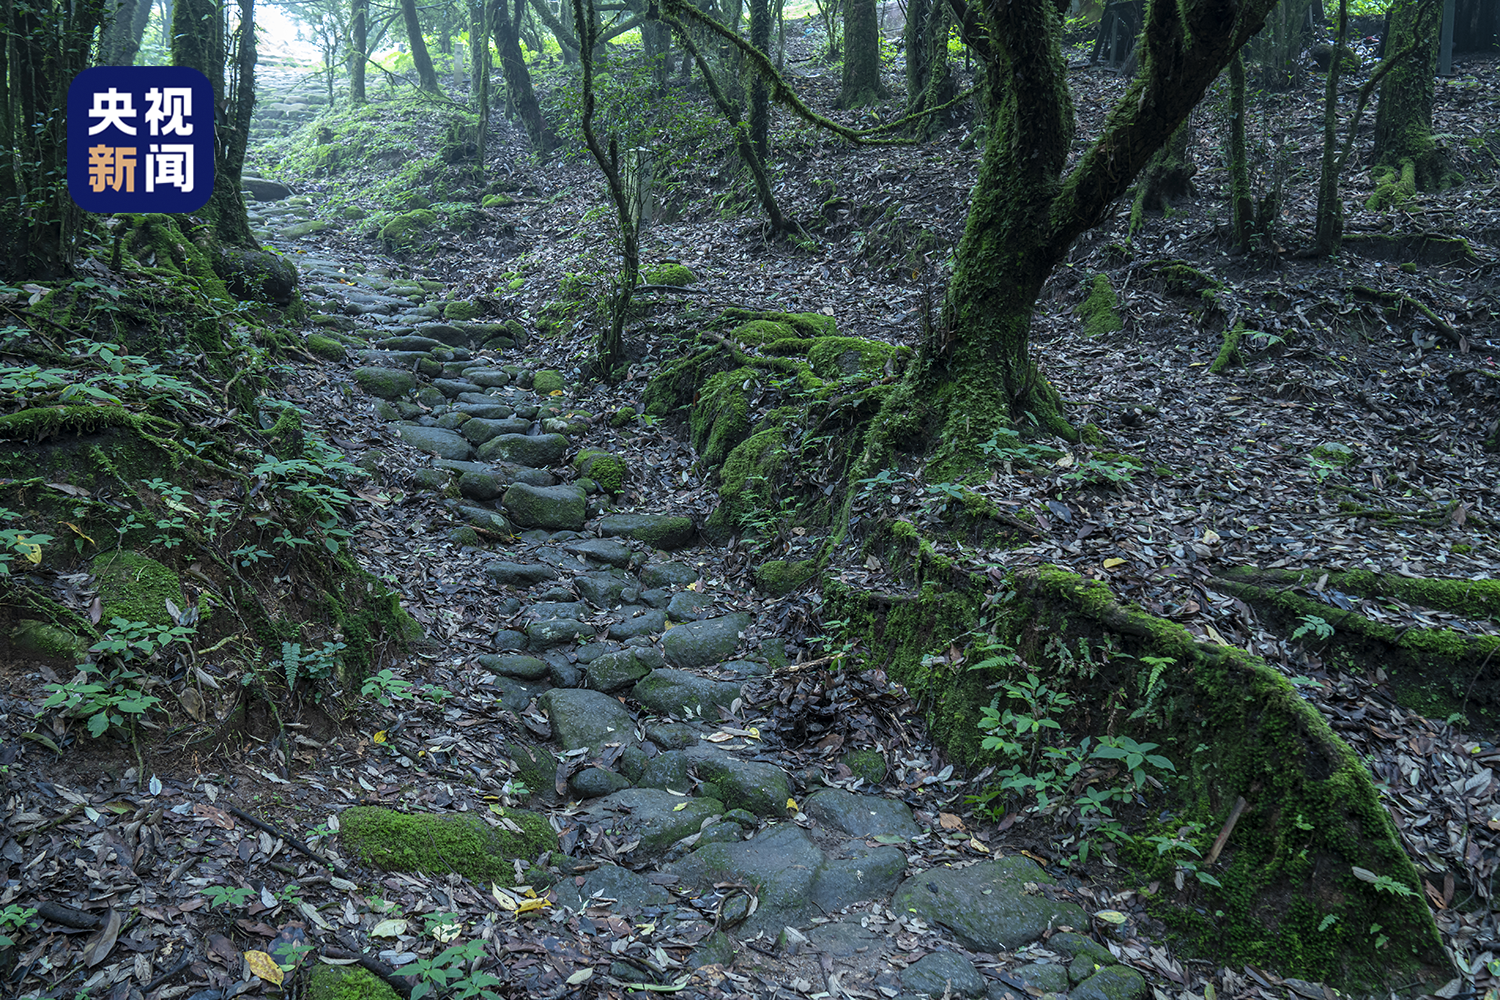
x=299 y=845
x=1400 y=299
x=1223 y=837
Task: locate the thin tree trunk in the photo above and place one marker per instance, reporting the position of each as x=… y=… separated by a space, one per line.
x=760 y=104
x=426 y=75
x=1330 y=220
x=1403 y=118
x=861 y=55
x=198 y=42
x=518 y=89
x=358 y=49
x=1241 y=206
x=118 y=46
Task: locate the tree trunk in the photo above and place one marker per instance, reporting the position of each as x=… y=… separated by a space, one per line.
x=929 y=79
x=198 y=42
x=1330 y=219
x=426 y=75
x=1241 y=206
x=975 y=373
x=479 y=76
x=760 y=105
x=358 y=49
x=1403 y=118
x=118 y=46
x=1168 y=177
x=861 y=56
x=518 y=89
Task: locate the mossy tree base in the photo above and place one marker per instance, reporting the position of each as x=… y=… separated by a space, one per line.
x=434 y=844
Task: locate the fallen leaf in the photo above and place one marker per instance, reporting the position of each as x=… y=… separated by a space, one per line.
x=1113 y=561
x=581 y=976
x=102 y=943
x=265 y=967
x=949 y=821
x=390 y=927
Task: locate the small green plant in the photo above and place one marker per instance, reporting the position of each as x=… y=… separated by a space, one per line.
x=231 y=896
x=1152 y=687
x=449 y=973
x=1183 y=841
x=1100 y=471
x=119 y=695
x=1312 y=625
x=387 y=688
x=14 y=542
x=13 y=919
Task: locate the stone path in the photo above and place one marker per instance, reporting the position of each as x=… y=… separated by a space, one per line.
x=615 y=650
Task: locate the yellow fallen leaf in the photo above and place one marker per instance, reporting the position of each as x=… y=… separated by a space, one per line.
x=581 y=976
x=1113 y=561
x=1065 y=462
x=975 y=845
x=379 y=737
x=1111 y=916
x=679 y=807
x=1213 y=634
x=31 y=550
x=719 y=738
x=447 y=932
x=753 y=733
x=531 y=906
x=949 y=821
x=791 y=806
x=1210 y=537
x=502 y=898
x=77 y=531
x=265 y=967
x=555 y=392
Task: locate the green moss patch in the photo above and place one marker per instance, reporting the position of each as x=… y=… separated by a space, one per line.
x=437 y=844
x=546 y=382
x=604 y=468
x=778 y=576
x=835 y=357
x=669 y=274
x=329 y=982
x=325 y=347
x=136 y=588
x=720 y=419
x=406 y=230
x=1099 y=311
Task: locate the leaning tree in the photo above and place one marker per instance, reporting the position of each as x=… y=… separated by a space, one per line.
x=975 y=373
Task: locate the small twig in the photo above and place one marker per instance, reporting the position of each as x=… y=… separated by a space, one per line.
x=183 y=963
x=62 y=817
x=299 y=845
x=57 y=913
x=1223 y=837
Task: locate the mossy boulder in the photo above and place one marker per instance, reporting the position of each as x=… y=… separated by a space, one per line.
x=623 y=416
x=1099 y=311
x=136 y=588
x=1335 y=453
x=602 y=467
x=332 y=982
x=46 y=641
x=778 y=576
x=386 y=383
x=669 y=274
x=461 y=311
x=720 y=419
x=406 y=229
x=496 y=201
x=323 y=347
x=835 y=357
x=748 y=476
x=437 y=844
x=807 y=325
x=255 y=275
x=546 y=382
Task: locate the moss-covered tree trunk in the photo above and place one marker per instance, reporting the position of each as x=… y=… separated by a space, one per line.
x=929 y=78
x=358 y=48
x=518 y=90
x=760 y=104
x=1403 y=118
x=1168 y=177
x=1241 y=205
x=1330 y=219
x=121 y=39
x=976 y=372
x=861 y=55
x=426 y=75
x=198 y=42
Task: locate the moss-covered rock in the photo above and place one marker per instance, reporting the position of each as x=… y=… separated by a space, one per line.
x=720 y=419
x=835 y=357
x=807 y=325
x=778 y=576
x=747 y=478
x=325 y=347
x=461 y=311
x=496 y=201
x=1099 y=311
x=622 y=417
x=1335 y=453
x=387 y=383
x=675 y=385
x=332 y=982
x=47 y=641
x=757 y=332
x=866 y=763
x=546 y=382
x=669 y=274
x=136 y=588
x=407 y=229
x=437 y=844
x=602 y=467
x=255 y=275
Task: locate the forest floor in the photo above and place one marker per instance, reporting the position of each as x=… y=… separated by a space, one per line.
x=1201 y=473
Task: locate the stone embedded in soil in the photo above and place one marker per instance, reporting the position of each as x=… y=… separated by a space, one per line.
x=943 y=973
x=630 y=892
x=698 y=644
x=387 y=383
x=619 y=670
x=689 y=606
x=1112 y=982
x=986 y=906
x=519 y=574
x=596 y=782
x=644 y=622
x=452 y=387
x=668 y=574
x=858 y=872
x=527 y=668
x=449 y=334
x=660 y=531
x=657 y=817
x=668 y=769
x=843 y=938
x=583 y=718
x=515 y=695
x=489 y=378
x=550 y=507
x=436 y=441
x=1050 y=978
x=677 y=692
x=485 y=411
x=479 y=429
x=671 y=735
x=781 y=861
x=555 y=632
x=539 y=451
x=407 y=343
x=601 y=550
x=1078 y=946
x=761 y=788
x=860 y=815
